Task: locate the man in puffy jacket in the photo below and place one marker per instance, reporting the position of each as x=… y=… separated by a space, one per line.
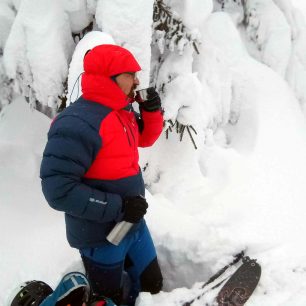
x=90 y=171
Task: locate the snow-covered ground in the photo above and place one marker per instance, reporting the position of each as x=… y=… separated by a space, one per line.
x=242 y=189
x=32 y=236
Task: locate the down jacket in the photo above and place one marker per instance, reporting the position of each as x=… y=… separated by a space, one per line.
x=90 y=161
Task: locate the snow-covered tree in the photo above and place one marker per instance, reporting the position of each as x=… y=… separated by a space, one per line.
x=274 y=34
x=27 y=39
x=7 y=15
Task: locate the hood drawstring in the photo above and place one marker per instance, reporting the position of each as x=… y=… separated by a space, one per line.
x=76 y=81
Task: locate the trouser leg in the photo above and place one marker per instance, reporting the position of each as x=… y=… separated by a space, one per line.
x=105 y=280
x=104 y=269
x=142 y=266
x=151 y=279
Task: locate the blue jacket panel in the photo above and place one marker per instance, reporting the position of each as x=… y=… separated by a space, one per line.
x=92 y=207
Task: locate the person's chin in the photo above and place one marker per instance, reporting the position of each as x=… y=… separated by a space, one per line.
x=131 y=94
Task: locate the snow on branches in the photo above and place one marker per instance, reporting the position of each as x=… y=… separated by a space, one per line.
x=170 y=31
x=274 y=33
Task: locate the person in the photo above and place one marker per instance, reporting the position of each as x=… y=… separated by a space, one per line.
x=90 y=171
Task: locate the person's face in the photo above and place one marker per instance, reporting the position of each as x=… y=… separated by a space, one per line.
x=127 y=81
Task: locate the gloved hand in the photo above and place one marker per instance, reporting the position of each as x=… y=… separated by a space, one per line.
x=134 y=208
x=152 y=103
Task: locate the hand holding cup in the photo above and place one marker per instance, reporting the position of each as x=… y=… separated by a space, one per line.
x=148 y=99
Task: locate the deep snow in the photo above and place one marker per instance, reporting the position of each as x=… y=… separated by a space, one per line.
x=243 y=188
x=250 y=197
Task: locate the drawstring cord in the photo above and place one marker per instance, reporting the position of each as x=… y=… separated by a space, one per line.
x=76 y=81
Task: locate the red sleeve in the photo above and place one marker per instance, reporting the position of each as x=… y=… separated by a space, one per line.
x=152 y=128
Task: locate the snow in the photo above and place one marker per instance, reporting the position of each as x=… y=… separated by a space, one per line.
x=31 y=233
x=182 y=96
x=79 y=17
x=297 y=68
x=134 y=34
x=274 y=33
x=32 y=55
x=300 y=5
x=242 y=189
x=193 y=13
x=6 y=20
x=271 y=36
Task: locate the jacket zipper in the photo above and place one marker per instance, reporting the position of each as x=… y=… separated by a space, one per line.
x=125 y=130
x=131 y=133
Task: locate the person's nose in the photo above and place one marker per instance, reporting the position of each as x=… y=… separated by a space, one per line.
x=136 y=81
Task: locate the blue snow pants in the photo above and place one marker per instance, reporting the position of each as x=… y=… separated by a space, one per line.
x=121 y=272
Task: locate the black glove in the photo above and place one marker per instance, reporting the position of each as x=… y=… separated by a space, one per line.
x=134 y=208
x=152 y=103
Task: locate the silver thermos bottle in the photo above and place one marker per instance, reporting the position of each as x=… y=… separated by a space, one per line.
x=119 y=232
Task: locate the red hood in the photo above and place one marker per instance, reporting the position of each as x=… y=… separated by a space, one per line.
x=100 y=64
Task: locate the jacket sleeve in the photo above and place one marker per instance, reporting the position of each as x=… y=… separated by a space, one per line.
x=71 y=148
x=150 y=127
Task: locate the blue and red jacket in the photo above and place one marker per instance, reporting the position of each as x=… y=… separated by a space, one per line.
x=90 y=161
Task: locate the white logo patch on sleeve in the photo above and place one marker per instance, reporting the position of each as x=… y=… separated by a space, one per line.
x=97 y=201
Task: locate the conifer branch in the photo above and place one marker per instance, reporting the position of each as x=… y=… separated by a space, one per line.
x=169 y=29
x=180 y=129
x=78 y=36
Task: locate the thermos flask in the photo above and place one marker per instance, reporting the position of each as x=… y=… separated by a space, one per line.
x=119 y=232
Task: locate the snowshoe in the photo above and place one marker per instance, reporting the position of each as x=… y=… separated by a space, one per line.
x=31 y=293
x=72 y=290
x=240 y=286
x=237 y=288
